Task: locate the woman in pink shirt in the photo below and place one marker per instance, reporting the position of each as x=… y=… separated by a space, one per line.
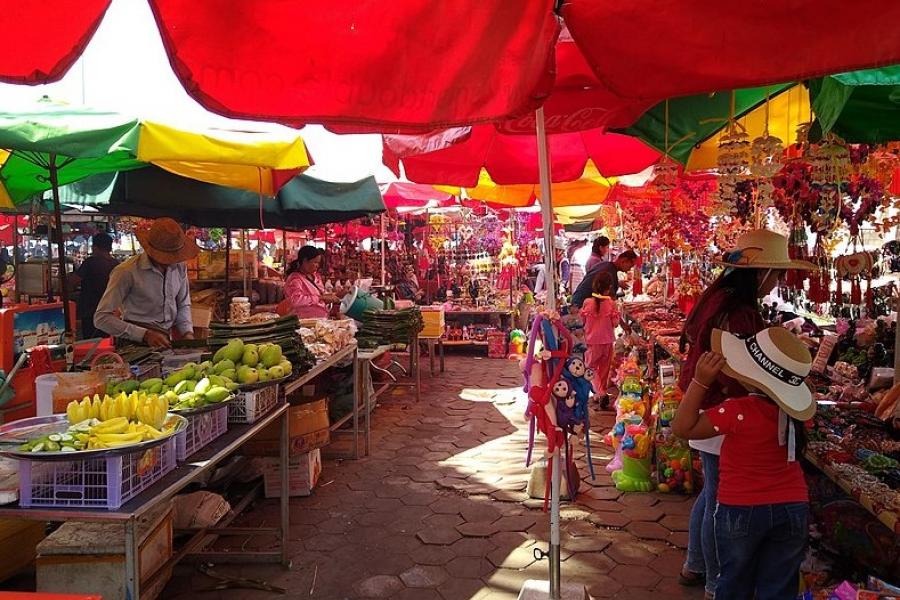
x=304 y=294
x=600 y=319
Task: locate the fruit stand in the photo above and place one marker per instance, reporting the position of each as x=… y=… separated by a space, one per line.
x=201 y=464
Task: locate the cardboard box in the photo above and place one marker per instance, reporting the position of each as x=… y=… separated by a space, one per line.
x=303 y=474
x=18 y=543
x=89 y=558
x=308 y=428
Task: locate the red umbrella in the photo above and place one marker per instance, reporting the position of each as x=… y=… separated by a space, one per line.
x=44 y=39
x=415 y=195
x=664 y=48
x=513 y=159
x=374 y=65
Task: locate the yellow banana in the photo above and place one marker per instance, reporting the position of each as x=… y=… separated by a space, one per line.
x=116 y=425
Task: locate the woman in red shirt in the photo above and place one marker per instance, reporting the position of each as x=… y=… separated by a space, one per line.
x=762 y=513
x=731 y=303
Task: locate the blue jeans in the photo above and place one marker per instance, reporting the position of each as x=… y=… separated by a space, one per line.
x=760 y=550
x=701 y=551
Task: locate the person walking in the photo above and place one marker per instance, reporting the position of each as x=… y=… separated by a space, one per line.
x=93 y=276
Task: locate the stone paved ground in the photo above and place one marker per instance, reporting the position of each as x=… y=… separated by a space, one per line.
x=438 y=511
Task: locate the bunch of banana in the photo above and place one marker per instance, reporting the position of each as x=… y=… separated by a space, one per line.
x=118 y=432
x=136 y=406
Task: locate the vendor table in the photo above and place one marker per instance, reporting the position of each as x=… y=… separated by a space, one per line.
x=435 y=343
x=201 y=464
x=889 y=518
x=501 y=319
x=363 y=376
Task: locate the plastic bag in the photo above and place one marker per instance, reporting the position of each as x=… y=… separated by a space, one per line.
x=75 y=386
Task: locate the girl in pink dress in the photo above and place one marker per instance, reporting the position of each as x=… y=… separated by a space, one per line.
x=304 y=294
x=600 y=318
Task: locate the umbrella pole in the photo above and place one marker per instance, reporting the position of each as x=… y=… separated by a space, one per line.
x=61 y=258
x=227 y=264
x=383 y=251
x=550 y=282
x=16 y=257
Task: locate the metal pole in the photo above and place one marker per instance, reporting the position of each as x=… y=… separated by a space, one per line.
x=383 y=249
x=284 y=254
x=227 y=263
x=550 y=282
x=61 y=258
x=243 y=262
x=16 y=257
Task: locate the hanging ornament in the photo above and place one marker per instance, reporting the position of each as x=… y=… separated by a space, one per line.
x=766 y=160
x=733 y=161
x=665 y=173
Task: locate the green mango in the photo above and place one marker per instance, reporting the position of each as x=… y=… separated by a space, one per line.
x=286 y=366
x=148 y=383
x=220 y=354
x=228 y=374
x=127 y=386
x=250 y=357
x=216 y=394
x=224 y=365
x=216 y=380
x=234 y=350
x=231 y=386
x=271 y=355
x=182 y=387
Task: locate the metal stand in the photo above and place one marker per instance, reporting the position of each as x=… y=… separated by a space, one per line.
x=533 y=590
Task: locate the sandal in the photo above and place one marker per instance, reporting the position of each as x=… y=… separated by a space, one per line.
x=691 y=579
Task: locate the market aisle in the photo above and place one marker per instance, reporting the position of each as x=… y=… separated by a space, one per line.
x=437 y=511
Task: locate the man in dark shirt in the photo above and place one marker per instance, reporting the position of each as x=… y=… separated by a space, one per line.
x=625 y=262
x=93 y=274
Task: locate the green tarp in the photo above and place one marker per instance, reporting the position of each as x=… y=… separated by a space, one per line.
x=86 y=141
x=694 y=119
x=303 y=202
x=860 y=106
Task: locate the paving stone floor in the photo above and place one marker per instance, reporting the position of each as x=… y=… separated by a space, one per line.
x=438 y=510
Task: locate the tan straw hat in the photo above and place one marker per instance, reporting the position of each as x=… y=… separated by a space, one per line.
x=773 y=361
x=763 y=249
x=166 y=243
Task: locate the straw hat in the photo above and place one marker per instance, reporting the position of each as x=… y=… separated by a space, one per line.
x=763 y=249
x=166 y=243
x=774 y=361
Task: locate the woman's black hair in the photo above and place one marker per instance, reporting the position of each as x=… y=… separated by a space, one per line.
x=303 y=254
x=743 y=288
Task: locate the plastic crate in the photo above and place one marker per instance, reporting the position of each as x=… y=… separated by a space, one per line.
x=201 y=430
x=250 y=406
x=96 y=482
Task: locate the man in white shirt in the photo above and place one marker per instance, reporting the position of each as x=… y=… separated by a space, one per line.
x=149 y=296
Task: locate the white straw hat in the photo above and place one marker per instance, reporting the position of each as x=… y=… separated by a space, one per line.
x=774 y=361
x=763 y=249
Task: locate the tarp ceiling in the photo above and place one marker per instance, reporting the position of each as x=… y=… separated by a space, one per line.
x=301 y=203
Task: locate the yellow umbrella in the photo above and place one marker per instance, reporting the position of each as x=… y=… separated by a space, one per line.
x=250 y=160
x=787 y=111
x=591 y=189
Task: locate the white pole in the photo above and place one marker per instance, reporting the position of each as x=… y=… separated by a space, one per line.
x=552 y=287
x=383 y=248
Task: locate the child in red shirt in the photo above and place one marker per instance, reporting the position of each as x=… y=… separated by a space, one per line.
x=762 y=512
x=600 y=318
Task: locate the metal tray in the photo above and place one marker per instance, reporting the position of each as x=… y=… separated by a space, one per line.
x=13 y=435
x=190 y=412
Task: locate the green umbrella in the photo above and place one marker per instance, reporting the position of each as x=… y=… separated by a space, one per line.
x=860 y=106
x=48 y=144
x=694 y=119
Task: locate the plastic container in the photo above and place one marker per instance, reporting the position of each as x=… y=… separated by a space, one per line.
x=250 y=406
x=239 y=309
x=357 y=302
x=96 y=482
x=43 y=386
x=201 y=430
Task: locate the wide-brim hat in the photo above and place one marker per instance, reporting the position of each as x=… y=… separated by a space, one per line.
x=763 y=249
x=166 y=243
x=773 y=361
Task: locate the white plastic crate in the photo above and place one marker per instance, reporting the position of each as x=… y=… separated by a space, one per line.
x=201 y=430
x=250 y=406
x=95 y=482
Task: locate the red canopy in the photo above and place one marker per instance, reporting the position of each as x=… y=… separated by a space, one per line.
x=414 y=195
x=42 y=40
x=579 y=99
x=663 y=48
x=399 y=64
x=512 y=159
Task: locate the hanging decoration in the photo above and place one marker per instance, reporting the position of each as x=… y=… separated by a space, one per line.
x=766 y=160
x=732 y=163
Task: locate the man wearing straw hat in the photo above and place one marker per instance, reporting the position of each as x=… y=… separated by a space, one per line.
x=150 y=292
